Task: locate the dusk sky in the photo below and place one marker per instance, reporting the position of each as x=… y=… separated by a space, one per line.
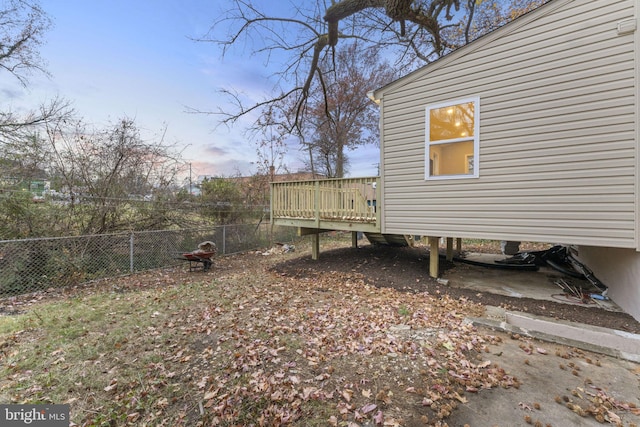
x=121 y=58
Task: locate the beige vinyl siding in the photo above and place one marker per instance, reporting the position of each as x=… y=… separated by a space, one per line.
x=558 y=146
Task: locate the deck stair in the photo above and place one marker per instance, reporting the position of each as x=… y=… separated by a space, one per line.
x=389 y=239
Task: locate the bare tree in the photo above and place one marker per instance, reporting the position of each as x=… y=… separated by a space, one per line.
x=270 y=135
x=482 y=17
x=15 y=127
x=342 y=117
x=105 y=172
x=409 y=32
x=22 y=27
x=309 y=37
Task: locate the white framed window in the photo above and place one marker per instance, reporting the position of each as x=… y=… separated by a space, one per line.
x=453 y=139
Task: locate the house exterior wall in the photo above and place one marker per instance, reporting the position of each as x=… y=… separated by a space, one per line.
x=558 y=92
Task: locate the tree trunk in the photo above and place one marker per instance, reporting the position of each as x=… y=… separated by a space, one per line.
x=340 y=160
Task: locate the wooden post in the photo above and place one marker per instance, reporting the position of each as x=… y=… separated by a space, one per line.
x=315 y=246
x=316 y=203
x=433 y=256
x=354 y=239
x=449 y=248
x=459 y=244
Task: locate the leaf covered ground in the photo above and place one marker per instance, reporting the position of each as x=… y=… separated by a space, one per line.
x=247 y=344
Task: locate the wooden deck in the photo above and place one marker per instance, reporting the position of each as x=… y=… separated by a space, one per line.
x=347 y=204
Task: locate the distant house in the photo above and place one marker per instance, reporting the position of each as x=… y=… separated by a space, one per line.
x=36 y=187
x=530 y=133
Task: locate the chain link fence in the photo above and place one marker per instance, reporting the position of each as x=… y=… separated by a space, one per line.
x=30 y=265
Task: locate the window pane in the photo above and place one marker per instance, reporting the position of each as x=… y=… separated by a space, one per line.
x=451 y=122
x=454 y=158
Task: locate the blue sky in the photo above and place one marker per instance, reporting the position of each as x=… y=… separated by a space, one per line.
x=117 y=58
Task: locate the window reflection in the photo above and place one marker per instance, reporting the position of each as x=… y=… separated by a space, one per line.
x=452 y=122
x=452 y=139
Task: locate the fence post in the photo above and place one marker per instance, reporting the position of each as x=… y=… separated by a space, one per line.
x=131 y=252
x=224 y=239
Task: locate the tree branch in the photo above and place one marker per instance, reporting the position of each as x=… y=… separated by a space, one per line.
x=425 y=30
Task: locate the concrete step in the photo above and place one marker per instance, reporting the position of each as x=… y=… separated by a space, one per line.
x=623 y=345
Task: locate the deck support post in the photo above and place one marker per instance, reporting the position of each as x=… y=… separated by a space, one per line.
x=315 y=246
x=459 y=244
x=433 y=256
x=449 y=248
x=354 y=239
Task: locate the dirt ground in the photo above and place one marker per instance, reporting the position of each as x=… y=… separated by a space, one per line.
x=272 y=338
x=407 y=270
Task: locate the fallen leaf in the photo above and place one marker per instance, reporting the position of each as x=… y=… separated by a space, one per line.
x=484 y=364
x=460 y=399
x=614 y=418
x=382 y=396
x=112 y=385
x=368 y=408
x=203 y=382
x=162 y=403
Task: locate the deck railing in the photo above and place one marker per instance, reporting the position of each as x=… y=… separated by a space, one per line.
x=338 y=200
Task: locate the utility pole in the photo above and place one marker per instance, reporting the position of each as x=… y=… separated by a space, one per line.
x=190 y=190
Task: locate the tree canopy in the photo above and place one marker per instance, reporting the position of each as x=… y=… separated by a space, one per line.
x=408 y=33
x=309 y=36
x=314 y=48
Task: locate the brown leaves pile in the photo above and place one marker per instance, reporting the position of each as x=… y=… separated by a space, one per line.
x=594 y=401
x=291 y=345
x=246 y=346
